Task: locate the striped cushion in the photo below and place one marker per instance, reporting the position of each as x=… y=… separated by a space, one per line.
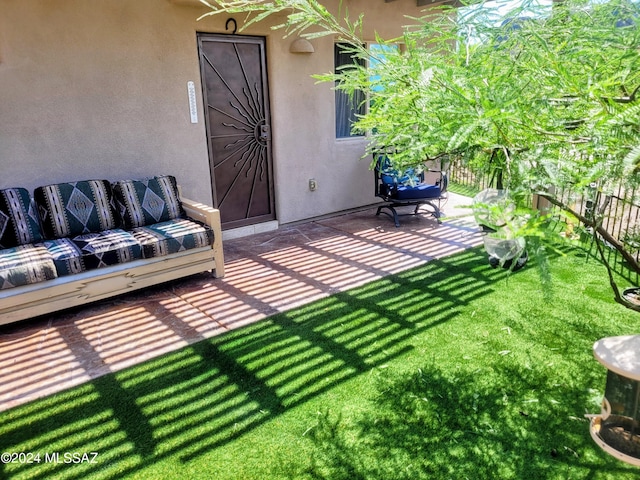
x=145 y=202
x=19 y=223
x=25 y=265
x=69 y=209
x=93 y=250
x=172 y=236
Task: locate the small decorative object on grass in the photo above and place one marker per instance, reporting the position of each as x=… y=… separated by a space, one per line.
x=495 y=212
x=632 y=295
x=617 y=428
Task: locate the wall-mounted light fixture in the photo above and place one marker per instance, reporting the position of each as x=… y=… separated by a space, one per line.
x=301 y=45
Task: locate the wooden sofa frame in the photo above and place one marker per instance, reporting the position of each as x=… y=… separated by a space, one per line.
x=29 y=301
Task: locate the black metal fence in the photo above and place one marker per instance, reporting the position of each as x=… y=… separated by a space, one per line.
x=620 y=210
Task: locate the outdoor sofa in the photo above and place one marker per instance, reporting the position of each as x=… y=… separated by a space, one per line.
x=74 y=243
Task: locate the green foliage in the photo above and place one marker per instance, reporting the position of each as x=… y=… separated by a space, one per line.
x=542 y=99
x=546 y=98
x=307 y=17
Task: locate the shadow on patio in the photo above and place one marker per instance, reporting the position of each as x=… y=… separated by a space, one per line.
x=266 y=274
x=353 y=385
x=215 y=391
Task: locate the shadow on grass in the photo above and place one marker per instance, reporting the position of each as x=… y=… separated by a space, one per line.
x=435 y=424
x=193 y=401
x=186 y=404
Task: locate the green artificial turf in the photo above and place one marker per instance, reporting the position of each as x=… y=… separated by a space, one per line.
x=450 y=370
x=465 y=190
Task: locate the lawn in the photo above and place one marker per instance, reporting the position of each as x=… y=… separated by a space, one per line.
x=450 y=370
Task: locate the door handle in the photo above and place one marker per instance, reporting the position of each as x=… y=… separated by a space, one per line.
x=265 y=132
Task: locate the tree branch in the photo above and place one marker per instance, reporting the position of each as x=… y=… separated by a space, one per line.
x=599 y=233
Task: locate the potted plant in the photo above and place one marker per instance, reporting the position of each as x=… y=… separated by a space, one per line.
x=495 y=212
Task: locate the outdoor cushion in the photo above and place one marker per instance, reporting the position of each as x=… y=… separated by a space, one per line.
x=172 y=236
x=145 y=202
x=406 y=185
x=25 y=265
x=405 y=192
x=69 y=209
x=391 y=176
x=93 y=250
x=19 y=223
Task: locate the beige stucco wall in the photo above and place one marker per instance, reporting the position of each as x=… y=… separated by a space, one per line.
x=98 y=89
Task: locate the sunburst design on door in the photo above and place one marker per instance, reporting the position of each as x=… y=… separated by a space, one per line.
x=238 y=129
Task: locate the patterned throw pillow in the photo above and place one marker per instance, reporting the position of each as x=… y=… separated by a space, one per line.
x=19 y=223
x=146 y=202
x=68 y=209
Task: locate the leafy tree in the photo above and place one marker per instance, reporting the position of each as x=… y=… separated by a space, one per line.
x=544 y=99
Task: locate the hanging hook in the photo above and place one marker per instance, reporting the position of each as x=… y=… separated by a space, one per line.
x=235 y=25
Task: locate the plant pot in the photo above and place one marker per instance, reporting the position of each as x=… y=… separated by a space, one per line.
x=506 y=252
x=504 y=249
x=513 y=264
x=631 y=295
x=493 y=207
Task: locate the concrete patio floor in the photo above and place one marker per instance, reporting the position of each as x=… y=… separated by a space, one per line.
x=266 y=273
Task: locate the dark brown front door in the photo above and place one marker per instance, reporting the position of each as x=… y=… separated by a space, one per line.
x=236 y=98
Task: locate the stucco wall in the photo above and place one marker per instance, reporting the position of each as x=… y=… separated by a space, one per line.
x=98 y=89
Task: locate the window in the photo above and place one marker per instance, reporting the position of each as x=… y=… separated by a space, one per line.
x=379 y=53
x=348 y=107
